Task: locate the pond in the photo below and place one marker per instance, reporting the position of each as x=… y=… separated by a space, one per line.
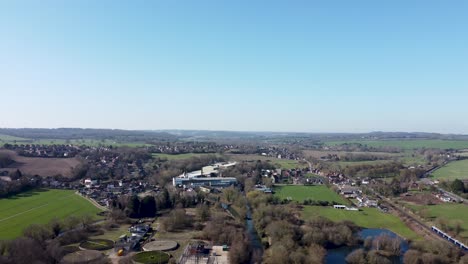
x=338 y=255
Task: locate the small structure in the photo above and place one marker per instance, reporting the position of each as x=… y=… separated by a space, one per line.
x=339 y=206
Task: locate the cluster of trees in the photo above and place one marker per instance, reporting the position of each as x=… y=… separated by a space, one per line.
x=376 y=250
x=224 y=230
x=141 y=207
x=44 y=244
x=20 y=183
x=176 y=220
x=433 y=252
x=5 y=160
x=457 y=186
x=288 y=239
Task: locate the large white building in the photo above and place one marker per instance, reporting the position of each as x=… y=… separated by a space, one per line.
x=207 y=176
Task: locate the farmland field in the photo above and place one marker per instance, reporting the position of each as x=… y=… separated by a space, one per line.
x=450 y=211
x=41 y=166
x=368 y=218
x=408 y=144
x=279 y=163
x=453 y=170
x=180 y=156
x=300 y=193
x=40 y=206
x=88 y=142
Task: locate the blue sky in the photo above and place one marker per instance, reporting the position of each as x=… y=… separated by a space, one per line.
x=314 y=66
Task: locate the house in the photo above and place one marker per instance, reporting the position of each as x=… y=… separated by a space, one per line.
x=349 y=191
x=88 y=183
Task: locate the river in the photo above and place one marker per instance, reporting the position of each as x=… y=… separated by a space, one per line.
x=338 y=255
x=256 y=243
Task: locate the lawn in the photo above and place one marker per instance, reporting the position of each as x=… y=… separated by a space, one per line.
x=453 y=170
x=39 y=207
x=300 y=193
x=452 y=212
x=367 y=218
x=409 y=143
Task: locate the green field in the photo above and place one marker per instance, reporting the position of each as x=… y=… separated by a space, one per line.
x=39 y=207
x=288 y=164
x=180 y=156
x=367 y=218
x=450 y=211
x=88 y=142
x=300 y=193
x=285 y=164
x=408 y=144
x=453 y=170
x=8 y=138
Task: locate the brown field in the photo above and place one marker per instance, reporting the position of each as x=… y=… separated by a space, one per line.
x=41 y=166
x=421 y=199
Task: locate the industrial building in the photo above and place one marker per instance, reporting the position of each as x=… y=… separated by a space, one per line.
x=207 y=176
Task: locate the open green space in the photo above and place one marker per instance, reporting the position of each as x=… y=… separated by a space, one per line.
x=87 y=142
x=408 y=144
x=301 y=192
x=8 y=138
x=180 y=156
x=452 y=212
x=364 y=162
x=39 y=207
x=453 y=170
x=152 y=257
x=367 y=218
x=288 y=164
x=285 y=164
x=97 y=244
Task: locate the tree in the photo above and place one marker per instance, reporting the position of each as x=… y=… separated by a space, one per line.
x=55 y=226
x=457 y=186
x=203 y=212
x=240 y=250
x=148 y=207
x=133 y=206
x=38 y=232
x=358 y=256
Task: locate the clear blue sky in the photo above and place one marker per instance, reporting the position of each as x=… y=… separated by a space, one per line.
x=318 y=66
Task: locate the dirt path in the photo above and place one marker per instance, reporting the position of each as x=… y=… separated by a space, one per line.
x=103 y=208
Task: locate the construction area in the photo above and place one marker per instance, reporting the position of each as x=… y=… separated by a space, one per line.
x=202 y=253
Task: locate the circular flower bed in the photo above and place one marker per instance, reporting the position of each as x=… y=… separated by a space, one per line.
x=97 y=244
x=151 y=257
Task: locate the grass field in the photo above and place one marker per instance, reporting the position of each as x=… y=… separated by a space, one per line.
x=40 y=206
x=368 y=218
x=9 y=138
x=300 y=193
x=453 y=170
x=88 y=142
x=450 y=211
x=279 y=163
x=180 y=156
x=408 y=144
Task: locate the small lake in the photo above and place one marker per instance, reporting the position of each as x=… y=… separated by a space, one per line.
x=338 y=255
